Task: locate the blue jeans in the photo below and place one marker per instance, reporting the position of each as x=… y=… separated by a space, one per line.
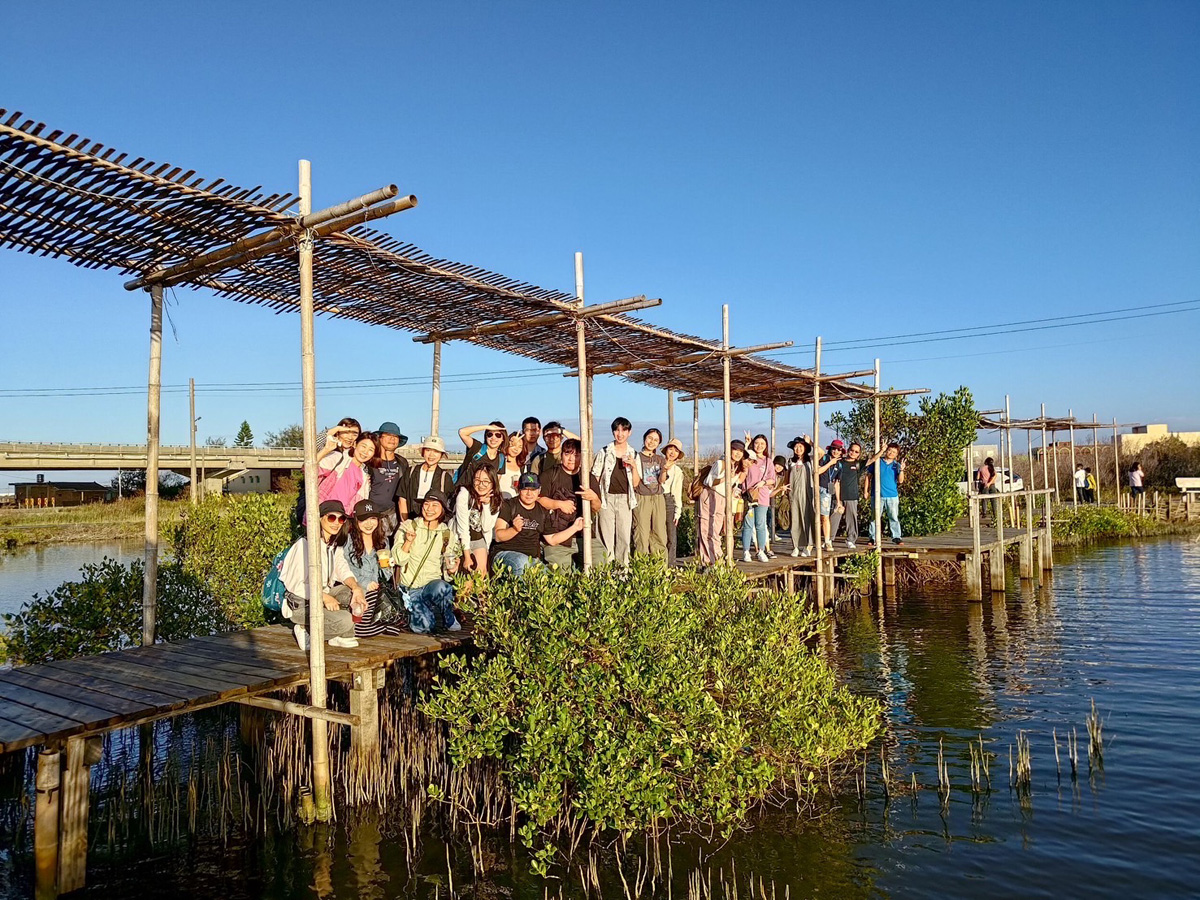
x=889 y=508
x=429 y=603
x=511 y=559
x=755 y=523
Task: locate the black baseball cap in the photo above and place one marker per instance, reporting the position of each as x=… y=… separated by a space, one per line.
x=366 y=509
x=528 y=480
x=332 y=506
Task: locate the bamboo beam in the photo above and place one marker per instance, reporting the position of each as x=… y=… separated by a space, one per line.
x=489 y=328
x=1096 y=461
x=322 y=794
x=153 y=416
x=301 y=709
x=686 y=359
x=237 y=248
x=670 y=415
x=585 y=414
x=193 y=496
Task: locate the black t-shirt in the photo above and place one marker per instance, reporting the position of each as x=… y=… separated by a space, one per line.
x=529 y=540
x=475 y=457
x=558 y=484
x=618 y=482
x=386 y=480
x=848 y=475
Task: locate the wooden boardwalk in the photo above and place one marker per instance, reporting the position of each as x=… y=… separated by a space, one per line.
x=46 y=704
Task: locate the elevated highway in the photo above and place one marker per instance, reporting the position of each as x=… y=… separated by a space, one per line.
x=214 y=461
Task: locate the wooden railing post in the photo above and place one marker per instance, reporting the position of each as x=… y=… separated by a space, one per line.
x=972 y=571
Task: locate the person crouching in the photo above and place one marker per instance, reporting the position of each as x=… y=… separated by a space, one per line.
x=427 y=554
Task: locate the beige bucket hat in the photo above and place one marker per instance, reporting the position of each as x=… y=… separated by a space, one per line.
x=433 y=442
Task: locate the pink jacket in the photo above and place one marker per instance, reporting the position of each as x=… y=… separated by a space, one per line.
x=350 y=485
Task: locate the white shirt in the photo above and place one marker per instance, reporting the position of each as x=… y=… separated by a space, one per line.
x=1080 y=478
x=424 y=481
x=294 y=572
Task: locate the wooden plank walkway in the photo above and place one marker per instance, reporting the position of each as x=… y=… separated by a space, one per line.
x=45 y=704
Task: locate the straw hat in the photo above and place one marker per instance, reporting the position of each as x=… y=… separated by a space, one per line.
x=676 y=443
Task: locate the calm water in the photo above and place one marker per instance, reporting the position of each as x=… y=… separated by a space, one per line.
x=1120 y=625
x=39 y=569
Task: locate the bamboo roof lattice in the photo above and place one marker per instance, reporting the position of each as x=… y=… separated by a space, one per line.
x=66 y=196
x=1050 y=423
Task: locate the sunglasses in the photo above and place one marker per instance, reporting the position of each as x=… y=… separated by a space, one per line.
x=492 y=434
x=334 y=517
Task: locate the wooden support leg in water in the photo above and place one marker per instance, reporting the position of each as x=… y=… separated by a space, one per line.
x=364 y=703
x=973 y=576
x=1026 y=546
x=996 y=567
x=889 y=576
x=45 y=824
x=82 y=754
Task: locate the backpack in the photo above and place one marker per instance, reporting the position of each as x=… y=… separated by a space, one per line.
x=273 y=588
x=696 y=488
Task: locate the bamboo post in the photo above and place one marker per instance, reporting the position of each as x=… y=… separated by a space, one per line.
x=435 y=408
x=728 y=435
x=153 y=412
x=1045 y=456
x=1006 y=432
x=591 y=414
x=364 y=703
x=773 y=450
x=816 y=486
x=1117 y=461
x=1096 y=461
x=876 y=499
x=45 y=824
x=1074 y=489
x=192 y=432
x=670 y=415
x=1048 y=554
x=1029 y=442
x=322 y=795
x=695 y=437
x=1054 y=463
x=585 y=415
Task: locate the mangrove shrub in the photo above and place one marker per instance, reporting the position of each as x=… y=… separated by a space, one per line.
x=102 y=611
x=227 y=544
x=630 y=698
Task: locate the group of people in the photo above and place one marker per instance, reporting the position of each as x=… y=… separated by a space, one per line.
x=515 y=500
x=761 y=482
x=1085 y=484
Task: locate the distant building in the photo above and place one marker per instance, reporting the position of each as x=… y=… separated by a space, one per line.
x=1147 y=434
x=251 y=481
x=61 y=493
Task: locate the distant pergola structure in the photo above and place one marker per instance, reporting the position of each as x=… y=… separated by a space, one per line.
x=1001 y=421
x=162 y=226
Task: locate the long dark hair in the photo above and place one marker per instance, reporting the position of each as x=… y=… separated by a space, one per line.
x=473 y=499
x=991 y=466
x=357 y=546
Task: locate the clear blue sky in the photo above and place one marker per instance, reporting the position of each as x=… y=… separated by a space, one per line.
x=849 y=170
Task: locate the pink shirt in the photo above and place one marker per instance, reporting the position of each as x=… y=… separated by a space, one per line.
x=760 y=479
x=349 y=486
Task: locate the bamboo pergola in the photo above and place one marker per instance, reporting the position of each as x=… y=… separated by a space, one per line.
x=64 y=195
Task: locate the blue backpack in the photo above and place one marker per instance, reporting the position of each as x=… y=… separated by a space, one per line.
x=273 y=587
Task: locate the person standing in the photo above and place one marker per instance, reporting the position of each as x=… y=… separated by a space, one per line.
x=1089 y=493
x=827 y=473
x=846 y=492
x=649 y=518
x=891 y=476
x=619 y=478
x=352 y=482
x=429 y=476
x=475 y=512
x=711 y=523
x=1080 y=484
x=490 y=450
x=672 y=483
x=1136 y=487
x=531 y=450
x=758 y=485
x=986 y=482
x=387 y=471
x=800 y=487
x=553 y=434
x=560 y=495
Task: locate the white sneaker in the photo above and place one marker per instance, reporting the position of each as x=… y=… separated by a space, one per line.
x=346 y=642
x=850 y=545
x=807 y=551
x=746 y=556
x=829 y=545
x=762 y=556
x=301 y=634
x=796 y=552
x=457 y=626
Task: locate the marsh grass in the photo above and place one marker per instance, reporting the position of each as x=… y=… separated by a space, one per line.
x=120 y=520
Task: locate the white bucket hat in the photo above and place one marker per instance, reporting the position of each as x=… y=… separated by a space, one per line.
x=433 y=442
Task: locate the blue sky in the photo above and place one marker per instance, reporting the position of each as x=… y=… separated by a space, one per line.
x=849 y=170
